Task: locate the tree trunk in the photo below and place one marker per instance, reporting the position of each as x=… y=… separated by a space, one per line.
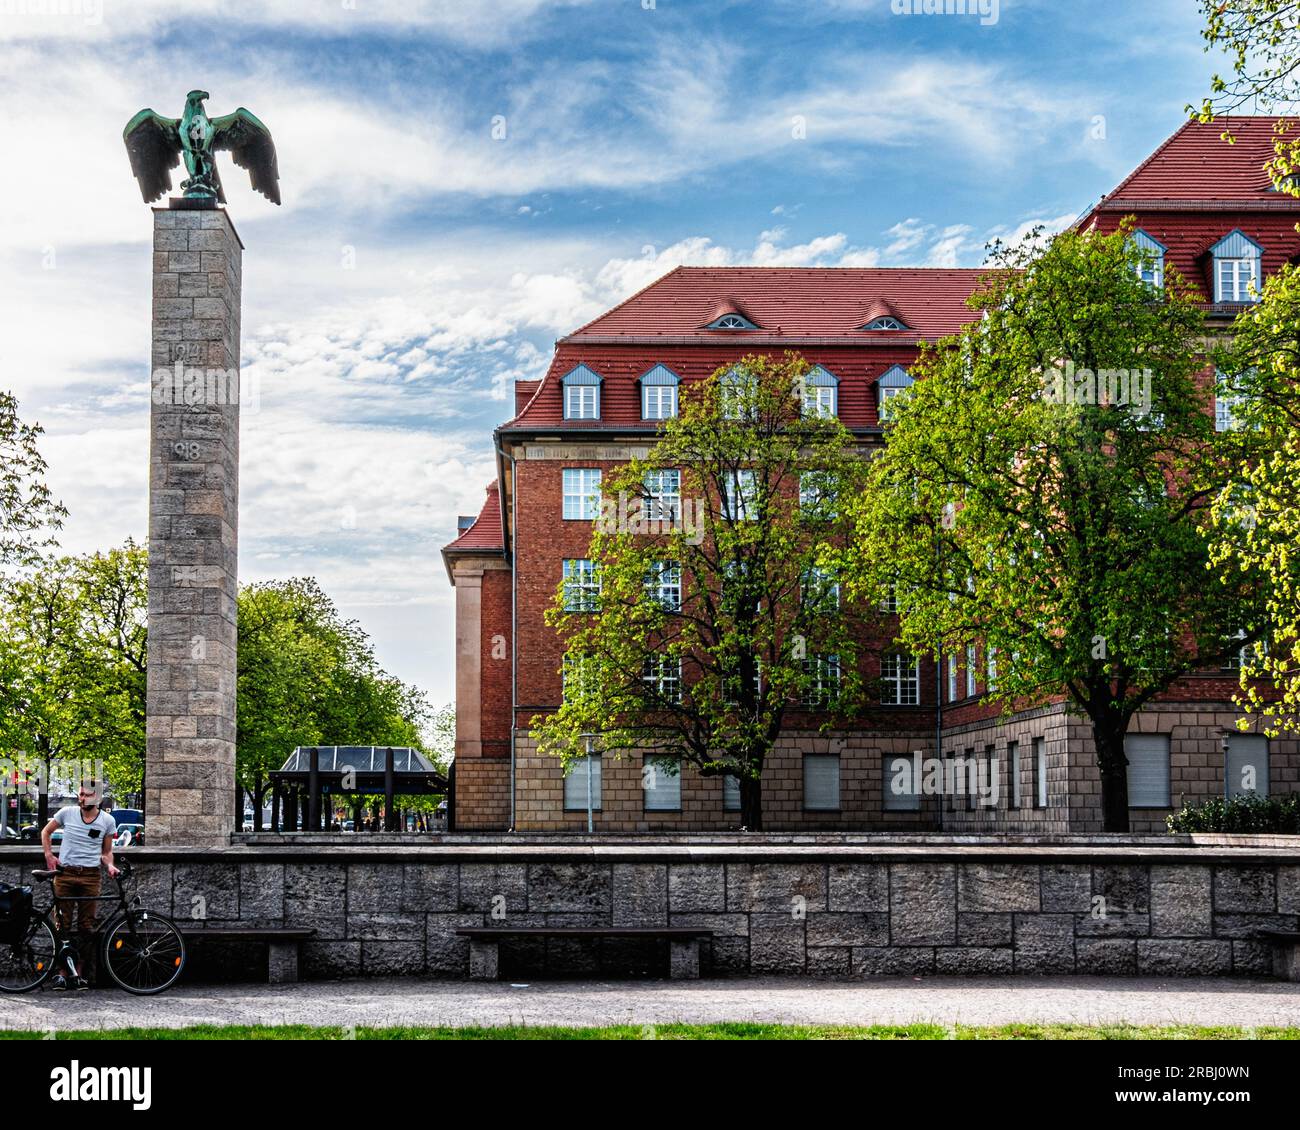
x=1108 y=737
x=751 y=803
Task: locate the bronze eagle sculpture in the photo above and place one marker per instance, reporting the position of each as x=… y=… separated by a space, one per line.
x=157 y=144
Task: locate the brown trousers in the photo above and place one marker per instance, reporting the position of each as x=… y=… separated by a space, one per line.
x=78 y=916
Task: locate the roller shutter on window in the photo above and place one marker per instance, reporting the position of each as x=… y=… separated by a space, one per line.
x=575 y=785
x=1148 y=770
x=1247 y=765
x=821 y=782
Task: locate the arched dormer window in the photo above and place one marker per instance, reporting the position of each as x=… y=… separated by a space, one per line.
x=887 y=322
x=581 y=394
x=893 y=381
x=1237 y=260
x=731 y=322
x=1152 y=268
x=659 y=393
x=819 y=392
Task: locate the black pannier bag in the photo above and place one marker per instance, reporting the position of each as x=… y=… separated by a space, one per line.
x=15 y=912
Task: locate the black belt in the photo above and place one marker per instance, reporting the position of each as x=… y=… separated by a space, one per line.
x=75 y=867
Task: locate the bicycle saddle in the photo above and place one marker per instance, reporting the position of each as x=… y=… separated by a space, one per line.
x=44 y=876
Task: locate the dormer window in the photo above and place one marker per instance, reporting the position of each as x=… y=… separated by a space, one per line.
x=1236 y=268
x=894 y=381
x=819 y=389
x=581 y=394
x=731 y=322
x=1152 y=268
x=885 y=323
x=659 y=393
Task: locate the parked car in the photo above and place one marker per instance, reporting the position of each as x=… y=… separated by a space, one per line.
x=129 y=835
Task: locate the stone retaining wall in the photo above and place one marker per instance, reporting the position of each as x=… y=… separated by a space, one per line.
x=846 y=911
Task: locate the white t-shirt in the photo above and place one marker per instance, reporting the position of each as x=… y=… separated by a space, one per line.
x=83 y=844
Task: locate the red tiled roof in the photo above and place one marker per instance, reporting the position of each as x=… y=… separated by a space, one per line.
x=485 y=533
x=1196 y=164
x=789 y=302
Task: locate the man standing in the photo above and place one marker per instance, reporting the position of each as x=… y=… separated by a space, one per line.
x=87 y=842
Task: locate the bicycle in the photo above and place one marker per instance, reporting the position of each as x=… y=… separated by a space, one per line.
x=143 y=951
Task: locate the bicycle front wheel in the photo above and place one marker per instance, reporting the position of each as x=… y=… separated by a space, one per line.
x=144 y=953
x=24 y=964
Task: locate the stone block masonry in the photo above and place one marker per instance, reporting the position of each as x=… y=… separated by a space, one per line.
x=193 y=528
x=833 y=910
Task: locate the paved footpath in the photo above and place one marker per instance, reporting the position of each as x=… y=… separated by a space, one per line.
x=976 y=1001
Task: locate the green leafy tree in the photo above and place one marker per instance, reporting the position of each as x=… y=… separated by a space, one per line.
x=1258 y=517
x=1059 y=530
x=707 y=620
x=29 y=513
x=1262 y=41
x=72 y=662
x=308 y=677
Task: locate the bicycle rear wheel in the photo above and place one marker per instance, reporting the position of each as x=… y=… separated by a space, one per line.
x=26 y=963
x=144 y=953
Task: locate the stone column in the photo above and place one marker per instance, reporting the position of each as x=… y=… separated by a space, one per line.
x=193 y=526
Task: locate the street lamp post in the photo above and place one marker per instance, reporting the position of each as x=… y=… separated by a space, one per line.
x=590 y=821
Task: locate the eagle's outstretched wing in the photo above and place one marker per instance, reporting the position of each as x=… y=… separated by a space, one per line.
x=251 y=148
x=154 y=145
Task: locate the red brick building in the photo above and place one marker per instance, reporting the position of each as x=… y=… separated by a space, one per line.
x=1204 y=207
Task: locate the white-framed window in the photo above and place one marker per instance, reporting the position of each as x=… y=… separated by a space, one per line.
x=1013 y=769
x=730 y=793
x=1246 y=765
x=662 y=676
x=578 y=675
x=884 y=323
x=1148 y=770
x=893 y=382
x=1237 y=260
x=890 y=601
x=1226 y=403
x=970 y=671
x=900 y=680
x=991 y=657
x=581 y=394
x=952 y=678
x=581 y=585
x=818 y=392
x=816 y=494
x=823 y=685
x=821 y=782
x=575 y=784
x=740 y=496
x=1040 y=772
x=738 y=390
x=664 y=585
x=1152 y=268
x=733 y=681
x=821 y=590
x=581 y=493
x=900 y=790
x=663 y=495
x=659 y=394
x=661 y=783
x=731 y=322
x=1247 y=654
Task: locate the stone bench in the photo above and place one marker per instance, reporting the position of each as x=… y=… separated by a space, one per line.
x=683 y=944
x=284 y=944
x=1286 y=952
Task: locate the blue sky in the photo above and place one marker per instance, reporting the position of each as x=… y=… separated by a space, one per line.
x=465 y=182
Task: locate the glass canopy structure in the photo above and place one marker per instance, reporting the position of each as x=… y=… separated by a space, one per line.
x=313 y=773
